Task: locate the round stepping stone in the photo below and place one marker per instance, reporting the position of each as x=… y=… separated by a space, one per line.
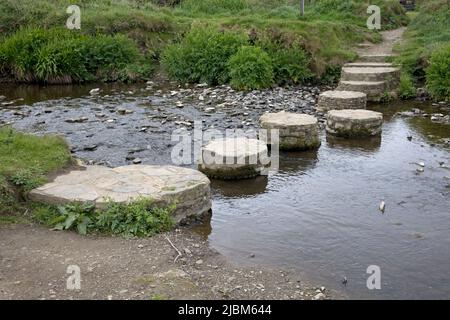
x=296 y=131
x=338 y=100
x=374 y=90
x=354 y=123
x=165 y=185
x=234 y=158
x=390 y=75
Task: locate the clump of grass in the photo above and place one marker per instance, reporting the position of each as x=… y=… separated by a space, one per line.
x=406 y=87
x=251 y=68
x=24 y=162
x=139 y=218
x=202 y=55
x=438 y=74
x=428 y=31
x=63 y=56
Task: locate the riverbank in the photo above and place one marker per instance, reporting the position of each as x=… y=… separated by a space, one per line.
x=34 y=265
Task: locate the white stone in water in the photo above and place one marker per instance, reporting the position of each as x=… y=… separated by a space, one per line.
x=338 y=100
x=296 y=131
x=354 y=123
x=189 y=189
x=233 y=158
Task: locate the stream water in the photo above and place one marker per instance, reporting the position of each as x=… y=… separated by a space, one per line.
x=318 y=216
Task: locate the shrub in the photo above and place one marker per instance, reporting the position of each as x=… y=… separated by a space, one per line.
x=438 y=74
x=406 y=87
x=202 y=55
x=251 y=68
x=290 y=62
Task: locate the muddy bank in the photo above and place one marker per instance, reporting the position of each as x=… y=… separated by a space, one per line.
x=34 y=262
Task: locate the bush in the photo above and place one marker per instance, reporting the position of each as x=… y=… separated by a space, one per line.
x=202 y=55
x=438 y=74
x=406 y=88
x=251 y=68
x=63 y=56
x=290 y=62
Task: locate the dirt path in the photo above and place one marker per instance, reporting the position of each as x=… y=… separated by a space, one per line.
x=390 y=38
x=34 y=262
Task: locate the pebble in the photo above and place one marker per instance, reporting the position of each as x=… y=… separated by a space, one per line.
x=199 y=262
x=137 y=161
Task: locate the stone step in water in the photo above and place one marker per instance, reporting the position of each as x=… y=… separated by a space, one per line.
x=234 y=158
x=373 y=89
x=390 y=75
x=341 y=99
x=369 y=65
x=354 y=123
x=296 y=131
x=375 y=57
x=189 y=189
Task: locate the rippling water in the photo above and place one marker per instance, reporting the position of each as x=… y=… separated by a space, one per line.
x=318 y=215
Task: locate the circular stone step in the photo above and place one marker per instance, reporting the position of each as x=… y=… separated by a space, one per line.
x=390 y=75
x=368 y=65
x=234 y=158
x=296 y=131
x=354 y=123
x=189 y=189
x=373 y=90
x=338 y=100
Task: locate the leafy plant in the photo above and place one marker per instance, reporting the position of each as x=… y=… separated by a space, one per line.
x=202 y=55
x=75 y=216
x=406 y=87
x=438 y=73
x=251 y=68
x=290 y=62
x=138 y=218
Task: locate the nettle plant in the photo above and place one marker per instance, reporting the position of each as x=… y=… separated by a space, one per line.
x=138 y=218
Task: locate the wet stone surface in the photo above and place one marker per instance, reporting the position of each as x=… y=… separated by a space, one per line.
x=119 y=125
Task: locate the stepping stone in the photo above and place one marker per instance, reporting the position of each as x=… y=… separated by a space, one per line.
x=390 y=75
x=234 y=158
x=374 y=90
x=296 y=131
x=375 y=57
x=369 y=65
x=338 y=100
x=189 y=189
x=354 y=123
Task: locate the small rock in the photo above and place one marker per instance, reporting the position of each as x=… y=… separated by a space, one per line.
x=137 y=161
x=199 y=262
x=94 y=91
x=319 y=296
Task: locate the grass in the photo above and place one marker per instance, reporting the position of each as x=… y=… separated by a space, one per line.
x=428 y=32
x=328 y=32
x=25 y=160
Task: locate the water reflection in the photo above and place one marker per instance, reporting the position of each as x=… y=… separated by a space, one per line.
x=240 y=188
x=292 y=162
x=370 y=145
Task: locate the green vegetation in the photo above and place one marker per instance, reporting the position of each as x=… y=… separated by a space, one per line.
x=25 y=160
x=302 y=48
x=251 y=68
x=406 y=87
x=62 y=56
x=428 y=32
x=438 y=73
x=202 y=55
x=139 y=218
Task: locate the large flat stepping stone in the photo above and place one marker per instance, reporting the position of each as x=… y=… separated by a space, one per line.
x=189 y=189
x=354 y=123
x=375 y=57
x=390 y=75
x=374 y=90
x=296 y=131
x=368 y=65
x=338 y=100
x=234 y=158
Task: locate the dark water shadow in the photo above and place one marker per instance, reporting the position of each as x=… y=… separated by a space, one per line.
x=293 y=162
x=370 y=145
x=240 y=188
